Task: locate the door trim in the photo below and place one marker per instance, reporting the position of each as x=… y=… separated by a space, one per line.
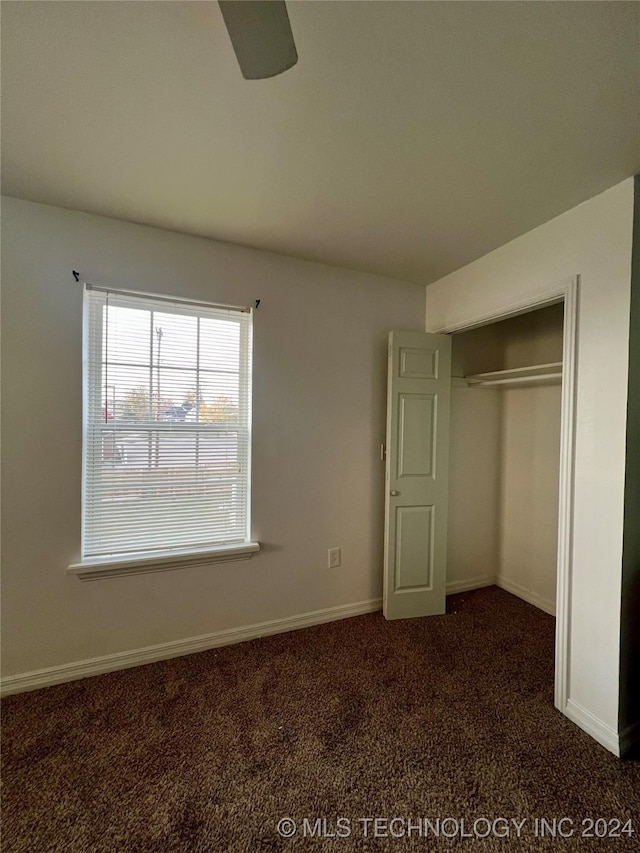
x=568 y=292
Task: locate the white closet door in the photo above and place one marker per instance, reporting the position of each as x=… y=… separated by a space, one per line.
x=415 y=550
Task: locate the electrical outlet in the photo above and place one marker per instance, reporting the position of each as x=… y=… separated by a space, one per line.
x=335 y=558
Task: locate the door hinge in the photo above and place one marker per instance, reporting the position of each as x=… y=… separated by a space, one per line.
x=383 y=452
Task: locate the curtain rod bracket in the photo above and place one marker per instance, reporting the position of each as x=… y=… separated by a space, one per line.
x=76 y=275
x=257 y=303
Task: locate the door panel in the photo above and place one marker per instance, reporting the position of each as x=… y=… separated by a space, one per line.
x=418 y=363
x=418 y=393
x=416 y=434
x=414 y=548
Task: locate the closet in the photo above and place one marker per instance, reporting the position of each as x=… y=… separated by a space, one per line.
x=504 y=451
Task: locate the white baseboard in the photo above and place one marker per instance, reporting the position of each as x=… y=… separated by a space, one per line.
x=470 y=583
x=176 y=648
x=531 y=597
x=629 y=737
x=594 y=726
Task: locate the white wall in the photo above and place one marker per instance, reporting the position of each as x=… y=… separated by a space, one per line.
x=503 y=491
x=529 y=479
x=593 y=240
x=534 y=337
x=473 y=540
x=530 y=461
x=319 y=413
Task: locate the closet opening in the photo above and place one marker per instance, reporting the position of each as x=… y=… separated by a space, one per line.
x=479 y=462
x=505 y=456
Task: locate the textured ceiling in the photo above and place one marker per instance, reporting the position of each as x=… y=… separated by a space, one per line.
x=409 y=139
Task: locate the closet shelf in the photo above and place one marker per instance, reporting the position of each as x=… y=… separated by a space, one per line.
x=536 y=374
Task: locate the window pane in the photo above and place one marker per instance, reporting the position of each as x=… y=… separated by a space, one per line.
x=127 y=335
x=175 y=392
x=219 y=345
x=125 y=392
x=176 y=340
x=219 y=398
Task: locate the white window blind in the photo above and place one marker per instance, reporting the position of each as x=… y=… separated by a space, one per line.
x=167 y=420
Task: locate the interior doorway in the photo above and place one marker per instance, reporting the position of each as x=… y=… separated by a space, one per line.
x=532 y=345
x=504 y=456
x=567 y=293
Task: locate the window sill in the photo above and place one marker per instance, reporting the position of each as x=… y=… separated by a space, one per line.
x=135 y=564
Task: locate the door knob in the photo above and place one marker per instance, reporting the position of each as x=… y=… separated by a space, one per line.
x=393 y=493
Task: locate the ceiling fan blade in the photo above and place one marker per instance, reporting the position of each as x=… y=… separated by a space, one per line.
x=261 y=36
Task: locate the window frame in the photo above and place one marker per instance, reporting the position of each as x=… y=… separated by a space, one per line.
x=163 y=558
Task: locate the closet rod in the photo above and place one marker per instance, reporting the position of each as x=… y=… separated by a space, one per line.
x=540 y=379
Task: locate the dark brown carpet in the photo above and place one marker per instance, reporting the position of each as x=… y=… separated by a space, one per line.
x=446 y=717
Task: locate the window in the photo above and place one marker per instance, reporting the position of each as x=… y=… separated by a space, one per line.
x=167 y=426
